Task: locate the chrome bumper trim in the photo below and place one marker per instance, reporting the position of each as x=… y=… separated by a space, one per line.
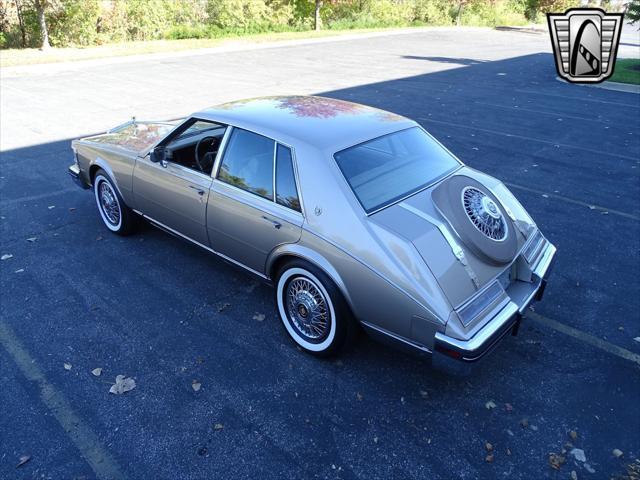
x=74 y=173
x=502 y=323
x=477 y=346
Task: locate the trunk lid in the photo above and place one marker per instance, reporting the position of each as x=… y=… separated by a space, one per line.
x=459 y=269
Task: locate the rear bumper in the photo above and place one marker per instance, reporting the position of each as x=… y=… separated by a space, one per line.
x=505 y=321
x=74 y=173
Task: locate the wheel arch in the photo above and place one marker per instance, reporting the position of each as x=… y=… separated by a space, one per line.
x=98 y=164
x=280 y=255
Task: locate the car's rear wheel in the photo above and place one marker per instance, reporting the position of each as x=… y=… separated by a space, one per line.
x=115 y=214
x=312 y=309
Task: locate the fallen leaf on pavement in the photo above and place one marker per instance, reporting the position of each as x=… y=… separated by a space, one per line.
x=196 y=385
x=259 y=317
x=6 y=256
x=23 y=459
x=556 y=461
x=223 y=307
x=490 y=404
x=67 y=366
x=96 y=372
x=578 y=454
x=122 y=385
x=617 y=453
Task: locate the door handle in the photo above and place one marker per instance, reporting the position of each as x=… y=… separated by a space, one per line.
x=197 y=189
x=275 y=224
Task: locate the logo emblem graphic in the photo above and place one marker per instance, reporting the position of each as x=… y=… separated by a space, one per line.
x=585 y=43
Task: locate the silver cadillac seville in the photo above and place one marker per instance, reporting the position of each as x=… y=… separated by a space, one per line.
x=356 y=215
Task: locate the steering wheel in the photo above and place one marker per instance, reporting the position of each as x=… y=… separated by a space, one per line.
x=198 y=162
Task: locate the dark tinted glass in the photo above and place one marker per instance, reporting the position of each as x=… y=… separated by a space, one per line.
x=286 y=193
x=393 y=166
x=248 y=163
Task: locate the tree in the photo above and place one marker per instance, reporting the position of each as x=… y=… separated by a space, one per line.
x=318 y=20
x=41 y=6
x=23 y=31
x=461 y=4
x=633 y=11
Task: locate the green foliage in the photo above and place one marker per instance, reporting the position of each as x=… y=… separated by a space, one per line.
x=498 y=12
x=74 y=22
x=91 y=22
x=633 y=11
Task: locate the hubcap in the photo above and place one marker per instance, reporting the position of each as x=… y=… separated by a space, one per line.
x=109 y=203
x=484 y=213
x=307 y=308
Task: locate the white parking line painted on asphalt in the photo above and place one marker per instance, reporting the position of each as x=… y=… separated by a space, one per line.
x=531 y=139
x=585 y=337
x=94 y=452
x=41 y=196
x=576 y=202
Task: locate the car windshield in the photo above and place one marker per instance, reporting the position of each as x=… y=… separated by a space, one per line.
x=388 y=168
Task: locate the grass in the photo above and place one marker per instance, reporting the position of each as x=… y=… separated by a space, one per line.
x=30 y=56
x=627 y=70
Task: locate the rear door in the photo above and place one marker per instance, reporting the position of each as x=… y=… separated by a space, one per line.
x=254 y=204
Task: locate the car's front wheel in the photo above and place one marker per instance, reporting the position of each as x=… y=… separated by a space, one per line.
x=114 y=212
x=312 y=309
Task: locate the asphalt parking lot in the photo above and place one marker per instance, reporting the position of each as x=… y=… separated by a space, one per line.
x=167 y=314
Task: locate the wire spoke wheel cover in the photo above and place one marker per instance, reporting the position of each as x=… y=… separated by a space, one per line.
x=306 y=309
x=484 y=214
x=478 y=218
x=108 y=203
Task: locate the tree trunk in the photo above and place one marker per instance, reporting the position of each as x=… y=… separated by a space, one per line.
x=460 y=4
x=44 y=32
x=318 y=20
x=23 y=33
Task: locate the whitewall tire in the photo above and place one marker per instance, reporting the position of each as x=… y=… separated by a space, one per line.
x=312 y=309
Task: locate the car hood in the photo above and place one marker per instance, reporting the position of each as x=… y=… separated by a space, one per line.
x=134 y=136
x=459 y=268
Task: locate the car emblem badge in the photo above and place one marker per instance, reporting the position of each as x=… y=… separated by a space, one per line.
x=585 y=43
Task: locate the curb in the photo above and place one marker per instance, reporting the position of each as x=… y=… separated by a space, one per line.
x=615 y=86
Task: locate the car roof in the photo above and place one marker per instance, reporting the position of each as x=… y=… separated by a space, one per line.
x=324 y=123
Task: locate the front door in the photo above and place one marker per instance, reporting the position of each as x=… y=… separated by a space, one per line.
x=254 y=204
x=174 y=196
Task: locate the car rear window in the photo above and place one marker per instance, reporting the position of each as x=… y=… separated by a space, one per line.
x=388 y=168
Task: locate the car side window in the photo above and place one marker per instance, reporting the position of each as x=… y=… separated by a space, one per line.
x=286 y=191
x=248 y=163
